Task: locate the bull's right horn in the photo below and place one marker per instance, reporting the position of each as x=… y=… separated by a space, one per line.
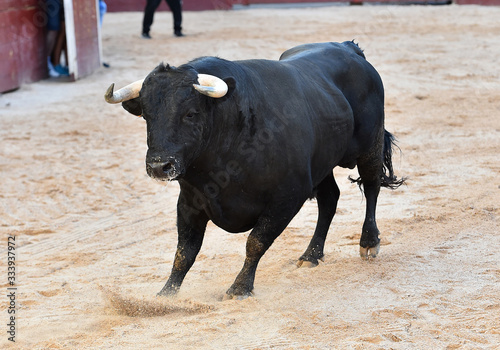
x=126 y=93
x=211 y=85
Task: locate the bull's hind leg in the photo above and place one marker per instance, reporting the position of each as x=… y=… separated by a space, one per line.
x=370 y=171
x=328 y=194
x=370 y=241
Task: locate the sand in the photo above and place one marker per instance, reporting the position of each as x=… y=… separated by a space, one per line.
x=95 y=237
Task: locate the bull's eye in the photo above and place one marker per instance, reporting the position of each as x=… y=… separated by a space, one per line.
x=190 y=115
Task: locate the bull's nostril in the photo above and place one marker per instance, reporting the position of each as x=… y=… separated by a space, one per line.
x=167 y=167
x=161 y=170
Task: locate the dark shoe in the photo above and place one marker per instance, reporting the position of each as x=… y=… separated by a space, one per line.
x=178 y=33
x=146 y=36
x=105 y=65
x=64 y=71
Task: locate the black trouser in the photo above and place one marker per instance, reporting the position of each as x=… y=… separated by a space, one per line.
x=149 y=11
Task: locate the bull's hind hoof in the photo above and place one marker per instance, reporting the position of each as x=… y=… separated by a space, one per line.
x=369 y=252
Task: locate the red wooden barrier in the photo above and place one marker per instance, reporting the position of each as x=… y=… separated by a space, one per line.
x=86 y=39
x=198 y=5
x=461 y=2
x=22 y=26
x=22 y=43
x=478 y=2
x=187 y=5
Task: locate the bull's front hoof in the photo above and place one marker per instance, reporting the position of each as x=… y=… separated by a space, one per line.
x=235 y=297
x=369 y=252
x=309 y=262
x=237 y=293
x=167 y=292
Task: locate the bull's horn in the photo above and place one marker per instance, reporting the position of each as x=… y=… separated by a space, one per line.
x=124 y=94
x=211 y=86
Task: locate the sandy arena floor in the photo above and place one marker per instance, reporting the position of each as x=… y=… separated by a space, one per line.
x=96 y=237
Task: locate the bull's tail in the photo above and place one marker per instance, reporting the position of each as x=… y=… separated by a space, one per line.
x=389 y=180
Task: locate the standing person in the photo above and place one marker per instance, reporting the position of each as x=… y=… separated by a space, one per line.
x=149 y=11
x=55 y=37
x=103 y=8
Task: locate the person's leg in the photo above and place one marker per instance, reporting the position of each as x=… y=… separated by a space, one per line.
x=102 y=11
x=50 y=41
x=176 y=8
x=58 y=47
x=52 y=10
x=58 y=50
x=149 y=12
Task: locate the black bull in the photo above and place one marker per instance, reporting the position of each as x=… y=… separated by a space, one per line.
x=250 y=159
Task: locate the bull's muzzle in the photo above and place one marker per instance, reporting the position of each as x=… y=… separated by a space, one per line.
x=163 y=170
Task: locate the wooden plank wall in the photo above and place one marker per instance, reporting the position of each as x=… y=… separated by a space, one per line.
x=199 y=5
x=23 y=22
x=187 y=5
x=260 y=2
x=22 y=43
x=86 y=37
x=478 y=2
x=460 y=2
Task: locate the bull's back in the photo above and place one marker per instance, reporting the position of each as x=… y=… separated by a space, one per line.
x=311 y=91
x=328 y=48
x=344 y=62
x=346 y=68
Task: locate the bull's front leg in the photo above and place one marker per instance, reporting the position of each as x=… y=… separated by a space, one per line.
x=191 y=225
x=268 y=228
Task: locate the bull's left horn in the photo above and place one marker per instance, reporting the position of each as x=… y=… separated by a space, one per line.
x=126 y=93
x=211 y=86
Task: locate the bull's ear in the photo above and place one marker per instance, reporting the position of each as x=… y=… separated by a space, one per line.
x=133 y=106
x=231 y=86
